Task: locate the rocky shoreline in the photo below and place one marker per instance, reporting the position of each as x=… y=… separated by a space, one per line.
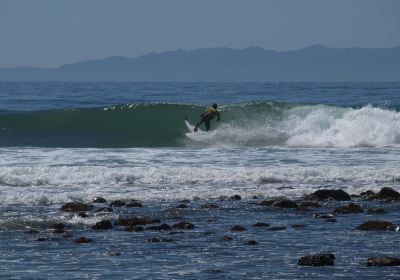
x=172 y=221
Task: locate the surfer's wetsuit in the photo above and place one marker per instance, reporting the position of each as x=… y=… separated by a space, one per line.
x=207 y=116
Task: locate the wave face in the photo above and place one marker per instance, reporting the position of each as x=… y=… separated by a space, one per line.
x=255 y=124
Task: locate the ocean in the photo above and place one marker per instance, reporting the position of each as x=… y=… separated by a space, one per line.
x=62 y=142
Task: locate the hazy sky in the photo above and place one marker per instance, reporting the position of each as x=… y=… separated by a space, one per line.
x=51 y=33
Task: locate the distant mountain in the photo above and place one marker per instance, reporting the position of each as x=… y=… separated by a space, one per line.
x=316 y=63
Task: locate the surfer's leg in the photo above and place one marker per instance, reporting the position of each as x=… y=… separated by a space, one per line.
x=207 y=123
x=197 y=125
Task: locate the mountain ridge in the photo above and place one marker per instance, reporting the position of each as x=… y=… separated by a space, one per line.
x=316 y=63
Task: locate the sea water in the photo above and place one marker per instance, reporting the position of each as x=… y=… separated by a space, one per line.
x=62 y=142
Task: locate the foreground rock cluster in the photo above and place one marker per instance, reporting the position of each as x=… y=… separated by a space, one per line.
x=324 y=205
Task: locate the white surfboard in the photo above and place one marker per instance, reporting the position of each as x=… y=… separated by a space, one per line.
x=199 y=135
x=190 y=126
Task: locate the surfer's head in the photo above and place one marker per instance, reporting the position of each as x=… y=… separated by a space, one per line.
x=215 y=106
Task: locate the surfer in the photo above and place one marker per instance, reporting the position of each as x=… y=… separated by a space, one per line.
x=207 y=116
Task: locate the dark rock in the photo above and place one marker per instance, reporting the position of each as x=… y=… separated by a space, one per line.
x=374 y=225
x=183 y=225
x=238 y=228
x=104 y=209
x=213 y=271
x=367 y=193
x=185 y=201
x=324 y=194
x=57 y=230
x=159 y=227
x=277 y=228
x=383 y=261
x=153 y=239
x=167 y=240
x=227 y=238
x=82 y=239
x=260 y=225
x=388 y=193
x=235 y=197
x=134 y=204
x=41 y=239
x=255 y=197
x=252 y=242
x=376 y=211
x=31 y=231
x=117 y=203
x=285 y=204
x=99 y=199
x=112 y=254
x=209 y=206
x=135 y=221
x=182 y=205
x=267 y=202
x=104 y=224
x=134 y=228
x=82 y=215
x=317 y=260
x=298 y=226
x=324 y=216
x=58 y=225
x=393 y=228
x=76 y=207
x=309 y=204
x=349 y=209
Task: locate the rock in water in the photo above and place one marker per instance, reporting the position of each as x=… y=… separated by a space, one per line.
x=76 y=207
x=339 y=194
x=317 y=260
x=375 y=225
x=383 y=261
x=104 y=224
x=349 y=209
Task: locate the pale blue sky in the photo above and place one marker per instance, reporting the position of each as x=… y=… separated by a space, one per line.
x=49 y=33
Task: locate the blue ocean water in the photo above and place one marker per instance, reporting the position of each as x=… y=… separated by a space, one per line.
x=62 y=142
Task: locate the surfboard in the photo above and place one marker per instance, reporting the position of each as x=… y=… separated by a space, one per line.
x=199 y=135
x=190 y=126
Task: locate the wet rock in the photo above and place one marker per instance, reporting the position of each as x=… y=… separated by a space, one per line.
x=117 y=203
x=238 y=228
x=255 y=197
x=324 y=216
x=57 y=230
x=139 y=220
x=82 y=215
x=153 y=240
x=104 y=209
x=317 y=260
x=134 y=228
x=286 y=203
x=104 y=224
x=367 y=193
x=41 y=239
x=82 y=240
x=235 y=197
x=182 y=205
x=376 y=211
x=277 y=228
x=227 y=238
x=349 y=209
x=209 y=206
x=76 y=207
x=393 y=228
x=58 y=225
x=183 y=225
x=383 y=261
x=134 y=203
x=213 y=271
x=267 y=202
x=260 y=225
x=388 y=193
x=99 y=199
x=112 y=254
x=375 y=225
x=309 y=204
x=298 y=226
x=252 y=242
x=339 y=195
x=159 y=227
x=31 y=231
